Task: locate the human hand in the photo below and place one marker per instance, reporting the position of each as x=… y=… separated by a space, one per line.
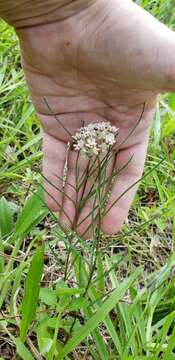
x=100 y=64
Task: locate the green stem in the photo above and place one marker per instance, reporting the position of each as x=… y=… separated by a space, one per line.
x=98 y=227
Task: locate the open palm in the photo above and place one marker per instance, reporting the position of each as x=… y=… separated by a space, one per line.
x=101 y=64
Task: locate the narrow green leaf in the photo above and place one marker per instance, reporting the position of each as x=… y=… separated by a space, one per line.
x=1 y=257
x=22 y=351
x=100 y=274
x=32 y=213
x=157 y=127
x=171 y=346
x=123 y=314
x=163 y=334
x=44 y=337
x=31 y=293
x=16 y=283
x=6 y=217
x=159 y=186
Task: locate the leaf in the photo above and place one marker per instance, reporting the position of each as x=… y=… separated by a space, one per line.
x=157 y=127
x=48 y=296
x=1 y=257
x=123 y=312
x=78 y=304
x=99 y=316
x=31 y=293
x=162 y=336
x=6 y=217
x=43 y=337
x=163 y=273
x=159 y=187
x=100 y=274
x=22 y=350
x=171 y=346
x=16 y=283
x=69 y=291
x=172 y=101
x=32 y=213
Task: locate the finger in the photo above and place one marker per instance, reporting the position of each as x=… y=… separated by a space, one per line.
x=132 y=173
x=87 y=217
x=78 y=169
x=53 y=164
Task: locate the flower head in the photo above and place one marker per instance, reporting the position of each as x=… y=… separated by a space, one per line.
x=95 y=138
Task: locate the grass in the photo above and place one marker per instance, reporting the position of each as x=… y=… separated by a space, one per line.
x=128 y=310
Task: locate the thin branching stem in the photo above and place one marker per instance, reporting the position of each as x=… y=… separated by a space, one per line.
x=98 y=227
x=131 y=186
x=57 y=118
x=124 y=192
x=58 y=189
x=77 y=213
x=104 y=182
x=57 y=203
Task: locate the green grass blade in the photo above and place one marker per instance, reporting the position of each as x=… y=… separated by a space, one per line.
x=171 y=346
x=31 y=293
x=32 y=213
x=6 y=217
x=123 y=311
x=163 y=334
x=100 y=274
x=16 y=283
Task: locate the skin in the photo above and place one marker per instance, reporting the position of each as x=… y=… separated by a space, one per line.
x=94 y=61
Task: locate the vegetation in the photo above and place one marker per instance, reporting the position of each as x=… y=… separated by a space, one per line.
x=52 y=308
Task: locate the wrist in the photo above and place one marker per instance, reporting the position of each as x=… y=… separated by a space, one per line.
x=21 y=13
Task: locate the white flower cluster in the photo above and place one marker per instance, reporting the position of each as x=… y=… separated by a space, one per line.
x=95 y=138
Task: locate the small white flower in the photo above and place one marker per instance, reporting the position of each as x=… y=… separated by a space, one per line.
x=76 y=147
x=110 y=139
x=95 y=138
x=91 y=142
